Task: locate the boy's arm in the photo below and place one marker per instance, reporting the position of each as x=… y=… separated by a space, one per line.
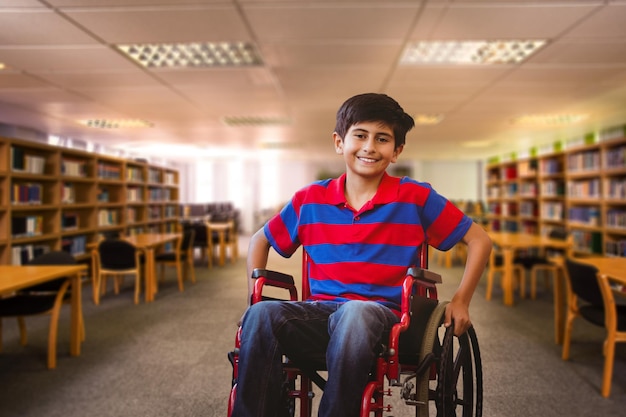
x=258 y=252
x=478 y=249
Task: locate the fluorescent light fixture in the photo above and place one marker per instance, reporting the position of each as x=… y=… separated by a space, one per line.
x=469 y=52
x=549 y=119
x=115 y=123
x=427 y=119
x=256 y=121
x=193 y=55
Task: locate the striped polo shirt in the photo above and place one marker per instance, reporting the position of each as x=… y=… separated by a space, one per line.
x=364 y=254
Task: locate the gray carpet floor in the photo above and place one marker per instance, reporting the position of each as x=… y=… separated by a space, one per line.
x=168 y=358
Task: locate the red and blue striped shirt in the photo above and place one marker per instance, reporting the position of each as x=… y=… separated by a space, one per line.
x=364 y=254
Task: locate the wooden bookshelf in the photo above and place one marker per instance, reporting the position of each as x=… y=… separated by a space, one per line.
x=581 y=188
x=54 y=198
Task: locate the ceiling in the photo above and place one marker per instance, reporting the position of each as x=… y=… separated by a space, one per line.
x=62 y=66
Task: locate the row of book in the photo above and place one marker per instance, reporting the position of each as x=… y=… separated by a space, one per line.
x=550 y=166
x=108 y=217
x=73 y=168
x=588 y=216
x=528 y=189
x=24 y=162
x=134 y=174
x=585 y=241
x=76 y=245
x=616 y=157
x=552 y=211
x=26 y=226
x=616 y=218
x=134 y=194
x=158 y=194
x=583 y=161
x=584 y=189
x=168 y=178
x=615 y=248
x=153 y=176
x=552 y=189
x=615 y=188
x=26 y=193
x=528 y=209
x=68 y=193
x=23 y=254
x=108 y=171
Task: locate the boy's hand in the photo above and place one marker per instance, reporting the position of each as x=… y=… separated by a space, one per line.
x=458 y=312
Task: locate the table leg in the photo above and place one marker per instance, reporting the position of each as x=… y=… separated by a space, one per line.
x=76 y=307
x=150 y=275
x=222 y=236
x=507 y=278
x=559 y=308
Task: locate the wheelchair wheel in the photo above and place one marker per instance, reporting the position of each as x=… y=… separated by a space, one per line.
x=458 y=386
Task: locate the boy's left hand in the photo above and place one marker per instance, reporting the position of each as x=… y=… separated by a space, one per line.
x=459 y=312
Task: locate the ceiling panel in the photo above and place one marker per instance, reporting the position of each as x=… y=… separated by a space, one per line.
x=493 y=20
x=39 y=59
x=39 y=27
x=162 y=24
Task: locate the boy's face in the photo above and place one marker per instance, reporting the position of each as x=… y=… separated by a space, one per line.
x=368 y=148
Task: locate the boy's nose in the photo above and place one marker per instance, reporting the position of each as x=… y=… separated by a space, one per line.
x=369 y=144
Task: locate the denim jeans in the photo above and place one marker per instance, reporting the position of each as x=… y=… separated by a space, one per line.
x=346 y=335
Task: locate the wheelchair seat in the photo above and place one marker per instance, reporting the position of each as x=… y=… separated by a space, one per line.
x=432 y=368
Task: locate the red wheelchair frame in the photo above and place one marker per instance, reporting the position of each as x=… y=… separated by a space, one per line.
x=436 y=366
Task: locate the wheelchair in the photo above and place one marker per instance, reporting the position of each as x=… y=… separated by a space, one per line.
x=434 y=371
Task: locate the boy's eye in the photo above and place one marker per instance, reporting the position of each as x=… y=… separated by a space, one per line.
x=383 y=139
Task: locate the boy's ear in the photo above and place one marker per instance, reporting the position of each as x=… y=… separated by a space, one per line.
x=338 y=140
x=397 y=153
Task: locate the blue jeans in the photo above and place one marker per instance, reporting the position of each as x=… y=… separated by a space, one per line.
x=346 y=336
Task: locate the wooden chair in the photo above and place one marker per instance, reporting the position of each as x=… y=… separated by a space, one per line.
x=181 y=257
x=201 y=240
x=543 y=262
x=45 y=298
x=592 y=297
x=116 y=258
x=496 y=265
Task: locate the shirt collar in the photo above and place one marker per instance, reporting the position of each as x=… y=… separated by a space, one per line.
x=387 y=190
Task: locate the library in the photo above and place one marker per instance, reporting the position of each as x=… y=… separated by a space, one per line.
x=121 y=119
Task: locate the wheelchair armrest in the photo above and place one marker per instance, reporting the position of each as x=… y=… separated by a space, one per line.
x=425 y=274
x=265 y=277
x=272 y=276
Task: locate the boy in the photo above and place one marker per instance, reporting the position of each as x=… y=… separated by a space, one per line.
x=361 y=230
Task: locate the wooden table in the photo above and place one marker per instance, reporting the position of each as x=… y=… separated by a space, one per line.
x=13 y=278
x=148 y=242
x=222 y=228
x=509 y=242
x=608 y=265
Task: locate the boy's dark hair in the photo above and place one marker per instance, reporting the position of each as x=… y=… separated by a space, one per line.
x=374 y=107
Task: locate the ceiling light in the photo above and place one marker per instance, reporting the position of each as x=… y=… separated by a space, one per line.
x=2 y=66
x=193 y=55
x=549 y=119
x=428 y=119
x=256 y=121
x=469 y=52
x=115 y=123
x=476 y=143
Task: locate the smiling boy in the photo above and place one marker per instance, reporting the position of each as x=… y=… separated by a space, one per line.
x=361 y=231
